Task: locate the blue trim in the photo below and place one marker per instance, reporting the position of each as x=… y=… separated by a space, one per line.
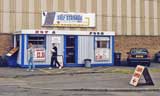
x=92 y=65
x=70 y=65
x=36 y=66
x=22 y=49
x=112 y=49
x=74 y=65
x=76 y=49
x=47 y=65
x=27 y=41
x=45 y=44
x=64 y=54
x=102 y=64
x=76 y=52
x=94 y=44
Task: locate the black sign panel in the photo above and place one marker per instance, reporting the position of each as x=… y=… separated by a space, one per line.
x=139 y=71
x=147 y=77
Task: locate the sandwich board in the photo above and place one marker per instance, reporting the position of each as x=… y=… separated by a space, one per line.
x=139 y=71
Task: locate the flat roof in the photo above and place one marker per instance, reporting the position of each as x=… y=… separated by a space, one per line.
x=64 y=32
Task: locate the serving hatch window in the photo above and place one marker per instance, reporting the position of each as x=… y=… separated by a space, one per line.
x=38 y=41
x=102 y=48
x=102 y=44
x=39 y=45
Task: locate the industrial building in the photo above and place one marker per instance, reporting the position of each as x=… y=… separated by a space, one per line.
x=136 y=23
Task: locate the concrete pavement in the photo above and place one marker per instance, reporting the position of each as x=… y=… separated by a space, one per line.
x=78 y=79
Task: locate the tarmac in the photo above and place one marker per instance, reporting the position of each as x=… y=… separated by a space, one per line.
x=115 y=78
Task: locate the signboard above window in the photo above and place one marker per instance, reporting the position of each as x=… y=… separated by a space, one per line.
x=68 y=19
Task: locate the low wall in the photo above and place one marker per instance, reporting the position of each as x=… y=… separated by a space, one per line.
x=5 y=43
x=124 y=43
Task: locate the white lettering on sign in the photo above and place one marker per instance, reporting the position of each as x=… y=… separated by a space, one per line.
x=137 y=75
x=39 y=54
x=70 y=17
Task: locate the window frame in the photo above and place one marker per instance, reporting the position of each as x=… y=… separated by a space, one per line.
x=108 y=39
x=37 y=36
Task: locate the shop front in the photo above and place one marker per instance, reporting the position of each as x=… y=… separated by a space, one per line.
x=73 y=47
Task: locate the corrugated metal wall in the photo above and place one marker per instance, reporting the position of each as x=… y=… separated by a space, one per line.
x=86 y=50
x=49 y=46
x=125 y=17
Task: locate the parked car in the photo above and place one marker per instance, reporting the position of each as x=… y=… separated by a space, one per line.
x=157 y=57
x=138 y=56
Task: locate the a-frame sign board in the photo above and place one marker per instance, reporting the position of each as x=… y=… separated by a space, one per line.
x=137 y=75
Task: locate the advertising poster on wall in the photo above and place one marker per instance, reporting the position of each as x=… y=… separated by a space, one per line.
x=102 y=49
x=68 y=19
x=102 y=54
x=39 y=54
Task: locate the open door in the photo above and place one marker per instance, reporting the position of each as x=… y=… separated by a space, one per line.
x=70 y=49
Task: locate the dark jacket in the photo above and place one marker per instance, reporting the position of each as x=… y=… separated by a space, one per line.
x=54 y=53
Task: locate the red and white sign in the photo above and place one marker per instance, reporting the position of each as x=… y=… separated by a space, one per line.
x=39 y=54
x=137 y=75
x=102 y=54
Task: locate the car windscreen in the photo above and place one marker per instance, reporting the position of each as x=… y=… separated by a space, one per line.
x=139 y=51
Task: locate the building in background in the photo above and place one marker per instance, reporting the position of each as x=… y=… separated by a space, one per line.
x=136 y=22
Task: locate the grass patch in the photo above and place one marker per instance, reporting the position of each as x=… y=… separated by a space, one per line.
x=122 y=71
x=154 y=70
x=118 y=70
x=127 y=71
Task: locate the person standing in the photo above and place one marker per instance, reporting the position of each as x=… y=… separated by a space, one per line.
x=31 y=66
x=54 y=57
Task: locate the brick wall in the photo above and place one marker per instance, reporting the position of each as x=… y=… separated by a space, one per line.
x=124 y=43
x=5 y=43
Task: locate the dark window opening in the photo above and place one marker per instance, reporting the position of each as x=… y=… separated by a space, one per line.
x=70 y=49
x=38 y=41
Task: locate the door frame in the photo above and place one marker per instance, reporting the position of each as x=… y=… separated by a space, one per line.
x=76 y=51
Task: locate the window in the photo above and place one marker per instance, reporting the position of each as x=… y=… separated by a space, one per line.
x=102 y=48
x=102 y=44
x=38 y=41
x=39 y=45
x=139 y=50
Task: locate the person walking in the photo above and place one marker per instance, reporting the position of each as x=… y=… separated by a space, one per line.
x=31 y=66
x=54 y=57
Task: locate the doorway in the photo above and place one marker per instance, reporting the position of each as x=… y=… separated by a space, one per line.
x=70 y=49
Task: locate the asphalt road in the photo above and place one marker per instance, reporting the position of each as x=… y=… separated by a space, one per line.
x=19 y=91
x=55 y=85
